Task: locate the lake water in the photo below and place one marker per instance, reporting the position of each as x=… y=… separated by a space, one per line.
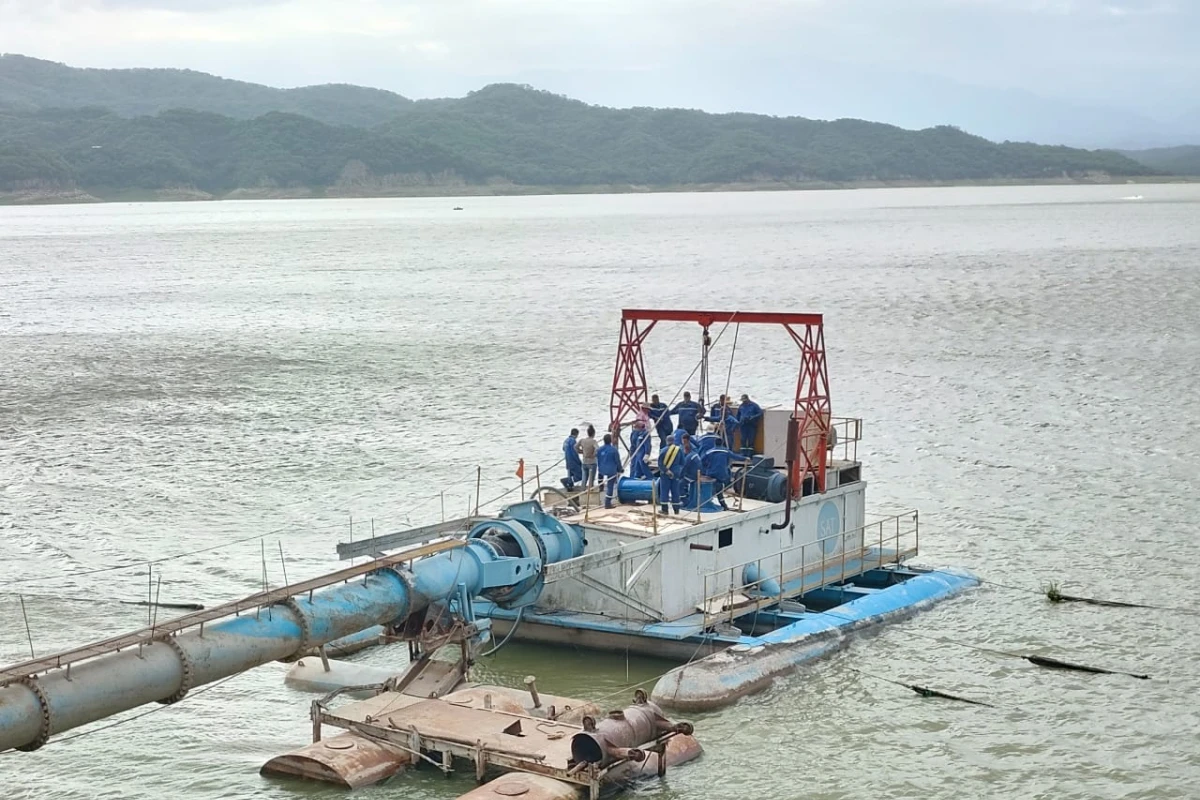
x=175 y=377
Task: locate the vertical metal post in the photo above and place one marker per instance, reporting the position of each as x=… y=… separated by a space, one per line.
x=843 y=562
x=537 y=475
x=154 y=619
x=282 y=562
x=28 y=632
x=880 y=526
x=654 y=512
x=443 y=505
x=478 y=479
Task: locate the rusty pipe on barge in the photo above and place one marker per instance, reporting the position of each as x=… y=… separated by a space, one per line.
x=793 y=444
x=617 y=736
x=501 y=559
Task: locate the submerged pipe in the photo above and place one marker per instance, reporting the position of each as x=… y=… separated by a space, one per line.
x=502 y=560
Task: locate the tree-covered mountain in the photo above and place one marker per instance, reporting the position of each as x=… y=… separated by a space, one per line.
x=1183 y=160
x=31 y=83
x=500 y=138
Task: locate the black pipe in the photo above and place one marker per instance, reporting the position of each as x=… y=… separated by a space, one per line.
x=793 y=441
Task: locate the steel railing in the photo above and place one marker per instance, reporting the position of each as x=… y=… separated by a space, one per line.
x=849 y=434
x=804 y=568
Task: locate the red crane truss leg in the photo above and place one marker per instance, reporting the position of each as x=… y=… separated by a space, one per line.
x=813 y=407
x=629 y=388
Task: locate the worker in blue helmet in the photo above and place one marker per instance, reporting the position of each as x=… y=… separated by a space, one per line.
x=749 y=416
x=660 y=415
x=639 y=447
x=572 y=459
x=689 y=412
x=670 y=476
x=608 y=464
x=715 y=465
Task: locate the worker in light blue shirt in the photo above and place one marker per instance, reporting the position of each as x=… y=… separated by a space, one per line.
x=688 y=411
x=608 y=464
x=573 y=462
x=749 y=415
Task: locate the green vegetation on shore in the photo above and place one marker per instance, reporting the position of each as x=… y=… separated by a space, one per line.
x=56 y=143
x=1183 y=160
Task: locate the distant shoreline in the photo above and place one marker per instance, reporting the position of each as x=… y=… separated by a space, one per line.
x=72 y=196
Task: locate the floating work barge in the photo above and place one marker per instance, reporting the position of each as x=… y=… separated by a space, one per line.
x=783 y=573
x=742 y=595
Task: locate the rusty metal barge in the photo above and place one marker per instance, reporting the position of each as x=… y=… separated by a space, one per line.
x=766 y=562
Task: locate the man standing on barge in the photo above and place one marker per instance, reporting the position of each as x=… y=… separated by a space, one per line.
x=689 y=412
x=661 y=414
x=749 y=414
x=571 y=456
x=608 y=461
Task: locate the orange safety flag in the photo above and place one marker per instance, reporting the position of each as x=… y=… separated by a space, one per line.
x=521 y=468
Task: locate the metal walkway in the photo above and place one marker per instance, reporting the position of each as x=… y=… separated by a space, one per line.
x=199 y=618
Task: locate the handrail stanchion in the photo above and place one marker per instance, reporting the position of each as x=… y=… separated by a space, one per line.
x=880 y=526
x=843 y=562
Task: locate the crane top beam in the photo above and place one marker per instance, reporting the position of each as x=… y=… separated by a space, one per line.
x=712 y=317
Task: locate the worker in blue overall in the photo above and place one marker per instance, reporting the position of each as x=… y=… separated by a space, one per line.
x=639 y=447
x=690 y=479
x=660 y=415
x=608 y=464
x=715 y=464
x=749 y=415
x=689 y=412
x=573 y=462
x=670 y=476
x=714 y=411
x=728 y=425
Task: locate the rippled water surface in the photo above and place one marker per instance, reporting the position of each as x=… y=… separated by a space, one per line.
x=178 y=377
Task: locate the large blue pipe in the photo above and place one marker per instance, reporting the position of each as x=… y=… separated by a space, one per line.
x=502 y=560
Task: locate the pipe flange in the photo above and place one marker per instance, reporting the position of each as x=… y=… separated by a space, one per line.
x=305 y=629
x=44 y=729
x=405 y=576
x=186 y=683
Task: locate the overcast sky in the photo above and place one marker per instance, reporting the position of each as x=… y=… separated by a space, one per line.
x=810 y=57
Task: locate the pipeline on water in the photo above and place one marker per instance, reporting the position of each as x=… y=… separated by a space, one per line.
x=1041 y=661
x=923 y=691
x=1053 y=593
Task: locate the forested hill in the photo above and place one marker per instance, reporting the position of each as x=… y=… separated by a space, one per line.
x=1184 y=160
x=86 y=136
x=31 y=83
